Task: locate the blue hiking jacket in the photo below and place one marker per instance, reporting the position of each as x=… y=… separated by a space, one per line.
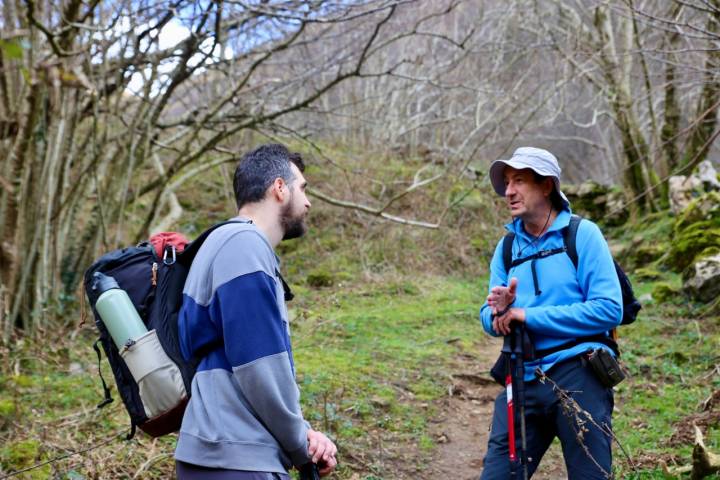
x=572 y=303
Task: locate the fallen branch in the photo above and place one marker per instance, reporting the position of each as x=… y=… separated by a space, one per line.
x=378 y=212
x=704 y=462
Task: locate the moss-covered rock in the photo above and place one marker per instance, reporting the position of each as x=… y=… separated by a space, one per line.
x=703 y=209
x=647 y=273
x=691 y=244
x=587 y=199
x=616 y=211
x=702 y=280
x=600 y=203
x=643 y=254
x=696 y=233
x=662 y=292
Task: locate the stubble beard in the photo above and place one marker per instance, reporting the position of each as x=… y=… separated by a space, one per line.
x=293 y=225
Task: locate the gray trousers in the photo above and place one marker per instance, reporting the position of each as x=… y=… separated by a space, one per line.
x=187 y=471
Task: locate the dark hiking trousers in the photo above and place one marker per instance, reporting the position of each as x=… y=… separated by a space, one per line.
x=546 y=418
x=187 y=471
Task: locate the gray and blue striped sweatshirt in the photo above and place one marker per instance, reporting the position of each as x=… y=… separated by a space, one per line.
x=244 y=410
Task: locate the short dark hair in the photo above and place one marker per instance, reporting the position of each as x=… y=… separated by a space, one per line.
x=555 y=198
x=259 y=168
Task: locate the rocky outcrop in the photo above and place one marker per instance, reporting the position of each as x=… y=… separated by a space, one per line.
x=702 y=279
x=708 y=176
x=703 y=208
x=696 y=233
x=597 y=202
x=682 y=190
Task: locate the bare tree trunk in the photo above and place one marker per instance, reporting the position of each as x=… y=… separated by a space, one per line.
x=671 y=114
x=709 y=101
x=617 y=71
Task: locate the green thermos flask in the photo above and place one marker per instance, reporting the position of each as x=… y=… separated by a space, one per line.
x=116 y=310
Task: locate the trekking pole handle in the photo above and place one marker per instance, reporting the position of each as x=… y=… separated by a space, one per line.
x=309 y=471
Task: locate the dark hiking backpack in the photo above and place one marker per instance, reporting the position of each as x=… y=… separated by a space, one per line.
x=155 y=287
x=631 y=306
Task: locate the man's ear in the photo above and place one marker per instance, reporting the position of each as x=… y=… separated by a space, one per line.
x=279 y=189
x=548 y=187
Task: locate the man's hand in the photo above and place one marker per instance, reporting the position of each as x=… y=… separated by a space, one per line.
x=323 y=451
x=501 y=298
x=501 y=324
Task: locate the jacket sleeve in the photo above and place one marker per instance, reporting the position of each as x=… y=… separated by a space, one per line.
x=257 y=342
x=498 y=277
x=601 y=309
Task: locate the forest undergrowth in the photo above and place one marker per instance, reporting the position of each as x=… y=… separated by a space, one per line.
x=382 y=316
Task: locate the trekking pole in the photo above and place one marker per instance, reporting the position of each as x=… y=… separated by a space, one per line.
x=507 y=350
x=519 y=356
x=309 y=471
x=515 y=387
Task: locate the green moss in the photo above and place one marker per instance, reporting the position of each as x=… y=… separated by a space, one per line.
x=22 y=455
x=702 y=209
x=643 y=254
x=647 y=273
x=662 y=292
x=709 y=252
x=6 y=407
x=8 y=411
x=588 y=198
x=691 y=242
x=22 y=381
x=320 y=278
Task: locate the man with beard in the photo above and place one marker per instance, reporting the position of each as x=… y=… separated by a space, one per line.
x=244 y=420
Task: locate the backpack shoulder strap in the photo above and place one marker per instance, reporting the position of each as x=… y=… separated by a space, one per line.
x=570 y=238
x=193 y=247
x=507 y=250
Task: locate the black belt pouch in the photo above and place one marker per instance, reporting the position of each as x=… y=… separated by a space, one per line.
x=607 y=369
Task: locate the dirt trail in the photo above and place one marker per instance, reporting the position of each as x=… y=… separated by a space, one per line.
x=461 y=429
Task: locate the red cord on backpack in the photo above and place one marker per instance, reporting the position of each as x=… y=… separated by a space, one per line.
x=160 y=240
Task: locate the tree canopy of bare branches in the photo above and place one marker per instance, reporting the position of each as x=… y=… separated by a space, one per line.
x=107 y=106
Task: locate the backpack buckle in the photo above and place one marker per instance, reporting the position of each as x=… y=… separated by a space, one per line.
x=551 y=251
x=167 y=261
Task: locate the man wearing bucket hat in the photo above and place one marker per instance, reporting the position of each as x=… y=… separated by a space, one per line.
x=566 y=312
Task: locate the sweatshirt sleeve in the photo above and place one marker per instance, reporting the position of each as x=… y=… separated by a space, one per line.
x=257 y=341
x=498 y=277
x=601 y=309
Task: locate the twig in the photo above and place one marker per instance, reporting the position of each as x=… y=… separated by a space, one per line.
x=572 y=408
x=150 y=462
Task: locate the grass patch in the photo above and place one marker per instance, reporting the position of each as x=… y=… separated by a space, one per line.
x=671 y=356
x=371 y=361
x=378 y=357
